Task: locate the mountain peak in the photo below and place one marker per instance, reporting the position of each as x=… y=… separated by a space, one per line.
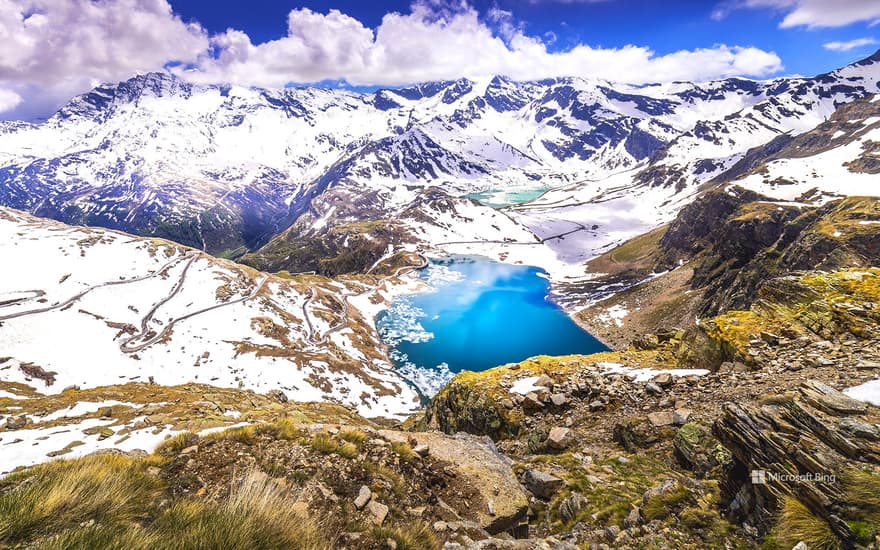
x=870 y=60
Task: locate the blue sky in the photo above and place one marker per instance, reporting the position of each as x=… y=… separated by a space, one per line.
x=54 y=49
x=664 y=26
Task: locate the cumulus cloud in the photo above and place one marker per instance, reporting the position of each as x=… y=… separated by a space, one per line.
x=810 y=13
x=56 y=49
x=432 y=44
x=849 y=44
x=8 y=100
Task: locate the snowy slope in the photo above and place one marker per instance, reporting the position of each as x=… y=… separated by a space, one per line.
x=96 y=308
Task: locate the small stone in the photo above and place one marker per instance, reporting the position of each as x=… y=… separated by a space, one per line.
x=653 y=388
x=664 y=379
x=559 y=438
x=16 y=422
x=391 y=544
x=491 y=507
x=596 y=405
x=421 y=450
x=106 y=412
x=440 y=526
x=612 y=532
x=800 y=546
x=559 y=399
x=634 y=518
x=570 y=506
x=542 y=484
x=278 y=395
x=531 y=402
x=363 y=497
x=544 y=381
x=379 y=511
x=680 y=417
x=661 y=418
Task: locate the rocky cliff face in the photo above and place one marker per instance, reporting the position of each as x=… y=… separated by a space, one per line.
x=813 y=452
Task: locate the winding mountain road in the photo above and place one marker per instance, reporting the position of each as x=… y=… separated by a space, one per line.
x=343 y=321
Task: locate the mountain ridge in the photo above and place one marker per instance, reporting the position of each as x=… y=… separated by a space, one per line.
x=224 y=168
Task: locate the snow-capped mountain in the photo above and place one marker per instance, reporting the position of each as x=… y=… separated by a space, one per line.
x=224 y=168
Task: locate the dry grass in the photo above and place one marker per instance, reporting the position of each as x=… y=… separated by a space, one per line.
x=797 y=523
x=417 y=536
x=257 y=514
x=324 y=444
x=404 y=451
x=174 y=444
x=353 y=435
x=241 y=434
x=110 y=501
x=347 y=450
x=55 y=496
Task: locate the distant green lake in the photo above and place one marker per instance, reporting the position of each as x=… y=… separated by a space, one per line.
x=478 y=315
x=499 y=199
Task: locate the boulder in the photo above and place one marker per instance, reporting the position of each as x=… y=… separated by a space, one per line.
x=829 y=400
x=559 y=399
x=475 y=462
x=681 y=416
x=635 y=433
x=542 y=484
x=697 y=449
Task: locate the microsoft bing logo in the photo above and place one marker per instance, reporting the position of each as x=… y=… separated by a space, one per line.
x=761 y=477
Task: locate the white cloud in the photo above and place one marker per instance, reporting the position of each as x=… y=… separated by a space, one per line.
x=8 y=100
x=849 y=44
x=54 y=49
x=428 y=44
x=810 y=13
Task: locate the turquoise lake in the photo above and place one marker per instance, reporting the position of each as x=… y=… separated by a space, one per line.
x=478 y=314
x=501 y=199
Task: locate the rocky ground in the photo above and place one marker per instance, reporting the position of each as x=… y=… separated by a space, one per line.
x=731 y=432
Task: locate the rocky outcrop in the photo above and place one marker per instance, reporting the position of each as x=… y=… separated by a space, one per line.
x=498 y=502
x=815 y=445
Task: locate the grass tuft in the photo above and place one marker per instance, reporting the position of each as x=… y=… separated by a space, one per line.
x=404 y=451
x=324 y=444
x=353 y=435
x=105 y=489
x=417 y=536
x=797 y=523
x=242 y=434
x=174 y=444
x=347 y=450
x=257 y=514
